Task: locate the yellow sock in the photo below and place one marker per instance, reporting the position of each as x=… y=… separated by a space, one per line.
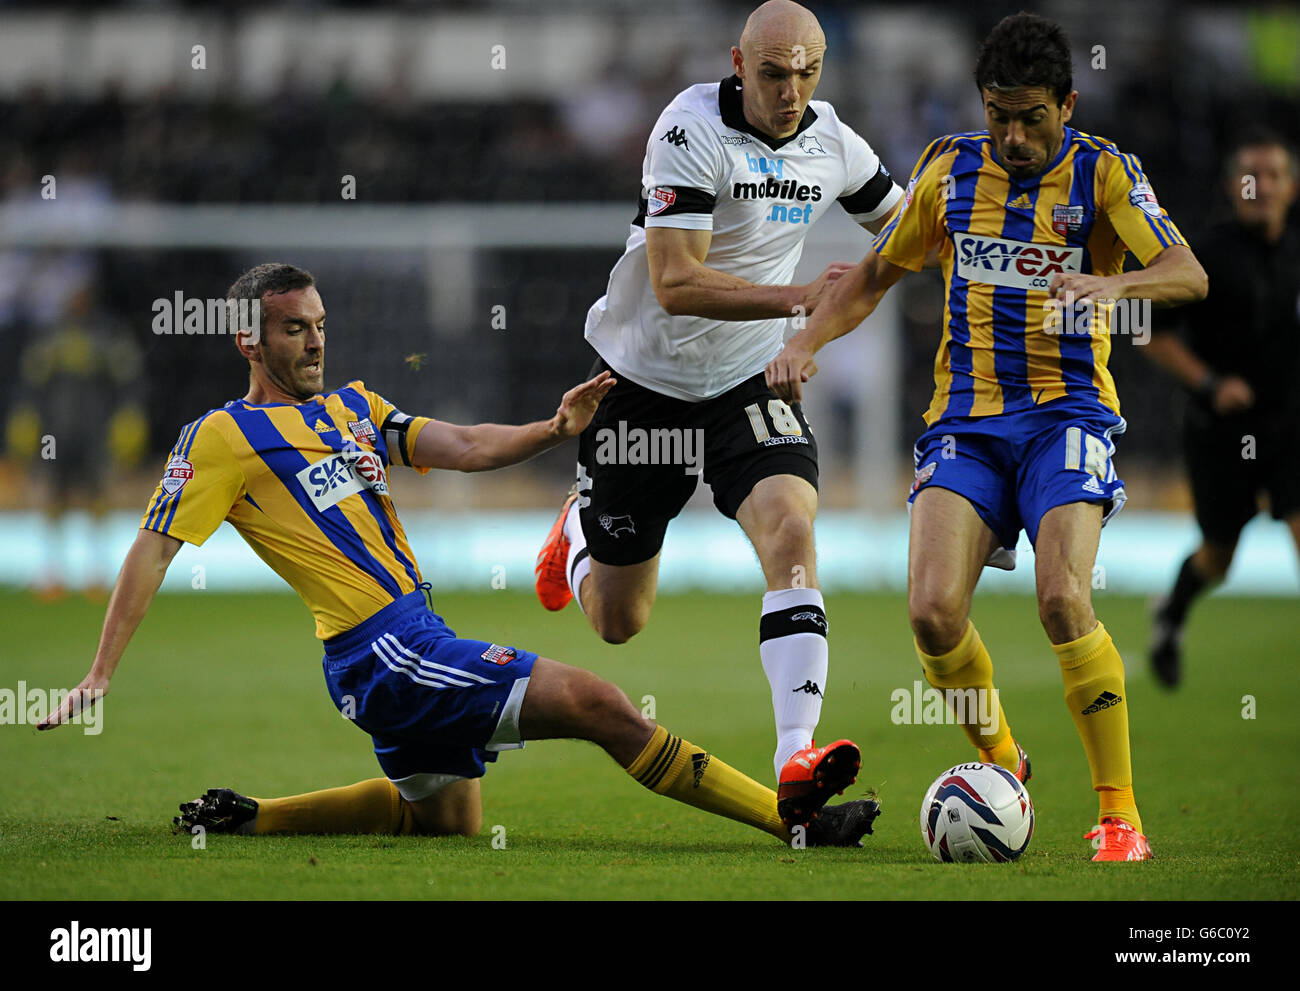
x=680 y=770
x=1094 y=689
x=373 y=806
x=965 y=668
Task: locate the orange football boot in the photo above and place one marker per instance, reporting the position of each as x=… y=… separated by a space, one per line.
x=1117 y=840
x=811 y=776
x=552 y=562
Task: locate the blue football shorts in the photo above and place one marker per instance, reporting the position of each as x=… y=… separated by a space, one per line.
x=437 y=707
x=1014 y=467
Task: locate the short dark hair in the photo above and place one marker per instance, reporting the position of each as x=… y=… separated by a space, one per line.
x=269 y=277
x=1258 y=136
x=1025 y=50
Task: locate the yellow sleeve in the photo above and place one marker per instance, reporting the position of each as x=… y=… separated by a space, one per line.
x=918 y=228
x=200 y=485
x=397 y=430
x=1130 y=203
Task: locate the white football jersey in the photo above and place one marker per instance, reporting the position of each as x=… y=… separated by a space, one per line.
x=707 y=168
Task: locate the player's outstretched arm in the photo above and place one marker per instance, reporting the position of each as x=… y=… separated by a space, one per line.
x=685 y=286
x=493 y=445
x=850 y=301
x=1173 y=278
x=137 y=584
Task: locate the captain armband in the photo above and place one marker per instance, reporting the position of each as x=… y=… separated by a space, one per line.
x=395 y=437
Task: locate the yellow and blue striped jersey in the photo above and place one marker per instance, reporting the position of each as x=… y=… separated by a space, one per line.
x=1000 y=241
x=306 y=486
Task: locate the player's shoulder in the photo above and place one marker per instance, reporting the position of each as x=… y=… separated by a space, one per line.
x=961 y=141
x=1106 y=153
x=700 y=101
x=207 y=432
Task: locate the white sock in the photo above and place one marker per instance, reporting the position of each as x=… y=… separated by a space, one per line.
x=578 y=565
x=792 y=645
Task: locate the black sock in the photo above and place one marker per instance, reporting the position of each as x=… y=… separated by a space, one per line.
x=1189 y=585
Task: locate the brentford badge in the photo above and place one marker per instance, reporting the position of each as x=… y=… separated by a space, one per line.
x=1067 y=219
x=364 y=431
x=498 y=655
x=178 y=472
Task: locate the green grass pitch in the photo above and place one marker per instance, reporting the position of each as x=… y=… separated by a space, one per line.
x=227 y=690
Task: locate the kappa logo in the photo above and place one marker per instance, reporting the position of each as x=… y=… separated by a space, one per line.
x=364 y=431
x=1103 y=701
x=176 y=474
x=811 y=146
x=676 y=137
x=496 y=654
x=808 y=688
x=734 y=139
x=1018 y=264
x=616 y=526
x=699 y=762
x=659 y=199
x=331 y=480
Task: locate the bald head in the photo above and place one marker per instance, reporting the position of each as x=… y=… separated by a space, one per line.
x=779 y=62
x=782 y=24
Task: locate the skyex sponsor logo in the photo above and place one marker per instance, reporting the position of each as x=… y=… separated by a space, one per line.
x=331 y=480
x=27 y=707
x=929 y=706
x=1016 y=264
x=654 y=446
x=77 y=945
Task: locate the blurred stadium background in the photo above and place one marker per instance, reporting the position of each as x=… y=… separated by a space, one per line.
x=495 y=152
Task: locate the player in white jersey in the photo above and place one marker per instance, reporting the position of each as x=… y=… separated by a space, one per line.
x=735 y=175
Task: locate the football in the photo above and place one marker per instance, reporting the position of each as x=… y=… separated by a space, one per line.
x=977 y=813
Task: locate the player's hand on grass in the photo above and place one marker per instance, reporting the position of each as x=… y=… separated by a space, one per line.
x=92 y=688
x=1232 y=395
x=787 y=372
x=816 y=290
x=579 y=404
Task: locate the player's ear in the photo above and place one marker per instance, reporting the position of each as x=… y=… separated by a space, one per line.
x=1067 y=106
x=738 y=62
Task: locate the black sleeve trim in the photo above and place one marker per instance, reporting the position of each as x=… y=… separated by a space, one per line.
x=686 y=199
x=871 y=195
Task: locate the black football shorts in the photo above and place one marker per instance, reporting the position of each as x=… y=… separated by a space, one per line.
x=1231 y=460
x=640 y=459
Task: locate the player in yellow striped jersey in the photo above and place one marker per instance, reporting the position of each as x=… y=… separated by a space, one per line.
x=1030 y=220
x=302 y=475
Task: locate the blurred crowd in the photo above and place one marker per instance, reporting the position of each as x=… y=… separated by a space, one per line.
x=1173 y=86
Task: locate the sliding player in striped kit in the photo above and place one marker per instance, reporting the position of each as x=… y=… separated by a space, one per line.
x=735 y=175
x=303 y=477
x=1031 y=220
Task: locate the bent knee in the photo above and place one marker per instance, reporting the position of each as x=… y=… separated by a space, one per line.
x=938 y=621
x=619 y=624
x=1066 y=615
